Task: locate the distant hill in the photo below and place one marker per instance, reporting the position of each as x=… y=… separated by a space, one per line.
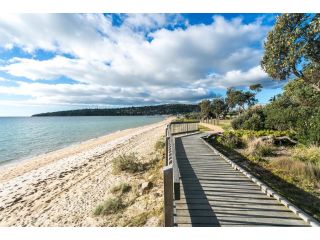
x=127 y=111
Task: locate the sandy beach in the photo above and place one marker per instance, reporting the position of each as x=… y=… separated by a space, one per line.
x=61 y=188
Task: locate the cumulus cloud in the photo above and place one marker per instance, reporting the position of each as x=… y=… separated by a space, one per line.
x=148 y=58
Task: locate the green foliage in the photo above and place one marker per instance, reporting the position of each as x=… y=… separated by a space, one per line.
x=298 y=109
x=308 y=129
x=240 y=98
x=127 y=162
x=307 y=154
x=110 y=206
x=252 y=119
x=293 y=47
x=205 y=109
x=231 y=140
x=261 y=133
x=280 y=115
x=128 y=111
x=301 y=94
x=219 y=107
x=192 y=116
x=255 y=87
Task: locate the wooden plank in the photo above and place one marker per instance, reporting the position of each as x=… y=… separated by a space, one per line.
x=214 y=194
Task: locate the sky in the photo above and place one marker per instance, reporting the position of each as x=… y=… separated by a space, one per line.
x=52 y=62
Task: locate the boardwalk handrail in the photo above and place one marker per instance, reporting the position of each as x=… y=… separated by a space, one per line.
x=171 y=172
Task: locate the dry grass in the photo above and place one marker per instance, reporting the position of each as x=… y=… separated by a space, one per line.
x=110 y=206
x=298 y=169
x=128 y=163
x=160 y=144
x=307 y=154
x=126 y=204
x=259 y=149
x=203 y=128
x=121 y=189
x=225 y=124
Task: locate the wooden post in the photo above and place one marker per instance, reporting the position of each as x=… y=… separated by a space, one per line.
x=167 y=151
x=168 y=196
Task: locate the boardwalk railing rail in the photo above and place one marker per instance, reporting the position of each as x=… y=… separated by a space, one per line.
x=171 y=174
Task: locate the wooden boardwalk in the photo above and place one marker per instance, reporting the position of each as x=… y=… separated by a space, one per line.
x=214 y=194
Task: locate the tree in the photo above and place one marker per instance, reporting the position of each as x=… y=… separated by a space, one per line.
x=219 y=107
x=297 y=109
x=293 y=48
x=252 y=119
x=255 y=87
x=240 y=98
x=205 y=108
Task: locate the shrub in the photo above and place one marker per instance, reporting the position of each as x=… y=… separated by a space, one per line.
x=121 y=188
x=127 y=162
x=259 y=148
x=261 y=133
x=231 y=140
x=252 y=119
x=280 y=117
x=110 y=206
x=298 y=169
x=308 y=129
x=307 y=154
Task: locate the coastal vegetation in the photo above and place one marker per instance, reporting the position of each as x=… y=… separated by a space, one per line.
x=138 y=200
x=165 y=109
x=127 y=162
x=279 y=142
x=111 y=205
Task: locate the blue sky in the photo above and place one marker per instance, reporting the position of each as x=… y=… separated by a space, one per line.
x=52 y=62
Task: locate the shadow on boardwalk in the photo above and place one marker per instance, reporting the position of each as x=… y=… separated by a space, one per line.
x=214 y=194
x=304 y=200
x=198 y=211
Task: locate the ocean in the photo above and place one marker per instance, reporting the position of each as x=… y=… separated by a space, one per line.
x=26 y=137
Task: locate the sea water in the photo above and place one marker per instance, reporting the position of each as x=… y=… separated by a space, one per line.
x=25 y=137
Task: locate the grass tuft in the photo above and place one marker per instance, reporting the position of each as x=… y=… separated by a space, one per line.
x=139 y=220
x=128 y=163
x=258 y=148
x=110 y=206
x=121 y=188
x=231 y=140
x=159 y=146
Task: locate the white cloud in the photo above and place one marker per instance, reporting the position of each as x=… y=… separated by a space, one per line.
x=136 y=62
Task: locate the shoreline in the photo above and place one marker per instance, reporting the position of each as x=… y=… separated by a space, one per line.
x=61 y=188
x=63 y=152
x=14 y=162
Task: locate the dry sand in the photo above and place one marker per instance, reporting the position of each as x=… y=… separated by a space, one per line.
x=62 y=187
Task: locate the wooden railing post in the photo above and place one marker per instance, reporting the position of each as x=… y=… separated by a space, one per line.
x=168 y=196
